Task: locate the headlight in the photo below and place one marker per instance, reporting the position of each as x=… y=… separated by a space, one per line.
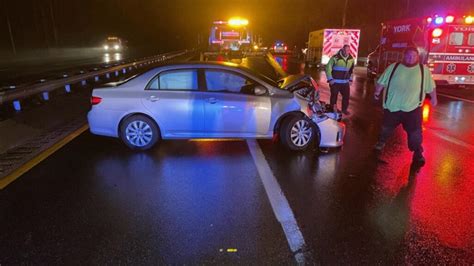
x=117 y=47
x=106 y=47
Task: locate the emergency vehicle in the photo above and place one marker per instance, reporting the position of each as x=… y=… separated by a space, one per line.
x=231 y=35
x=445 y=43
x=323 y=44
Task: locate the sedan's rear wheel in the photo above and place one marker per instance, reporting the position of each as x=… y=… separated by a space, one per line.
x=297 y=133
x=139 y=132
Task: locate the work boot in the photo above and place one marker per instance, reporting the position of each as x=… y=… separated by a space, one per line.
x=418 y=159
x=379 y=146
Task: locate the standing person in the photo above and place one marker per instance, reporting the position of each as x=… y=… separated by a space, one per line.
x=339 y=75
x=406 y=85
x=301 y=68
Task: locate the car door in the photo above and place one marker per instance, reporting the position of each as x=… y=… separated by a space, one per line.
x=174 y=99
x=231 y=108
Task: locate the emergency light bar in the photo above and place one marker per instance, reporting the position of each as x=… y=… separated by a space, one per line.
x=449 y=19
x=238 y=22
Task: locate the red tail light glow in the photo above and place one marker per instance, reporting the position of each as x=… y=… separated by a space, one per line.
x=95 y=100
x=426 y=112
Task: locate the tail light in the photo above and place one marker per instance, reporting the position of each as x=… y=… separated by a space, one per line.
x=95 y=100
x=449 y=19
x=286 y=48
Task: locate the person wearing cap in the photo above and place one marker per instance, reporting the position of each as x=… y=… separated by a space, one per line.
x=339 y=75
x=404 y=87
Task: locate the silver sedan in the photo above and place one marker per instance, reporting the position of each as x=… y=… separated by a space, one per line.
x=208 y=100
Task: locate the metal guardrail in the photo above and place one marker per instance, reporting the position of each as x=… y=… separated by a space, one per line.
x=15 y=94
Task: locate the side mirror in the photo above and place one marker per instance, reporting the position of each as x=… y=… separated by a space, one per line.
x=259 y=90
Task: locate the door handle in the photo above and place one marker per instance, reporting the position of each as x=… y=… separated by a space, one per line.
x=212 y=100
x=153 y=98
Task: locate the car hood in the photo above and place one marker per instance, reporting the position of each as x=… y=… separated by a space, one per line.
x=292 y=82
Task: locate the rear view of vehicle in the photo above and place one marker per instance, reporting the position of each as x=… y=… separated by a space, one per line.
x=231 y=35
x=280 y=48
x=323 y=44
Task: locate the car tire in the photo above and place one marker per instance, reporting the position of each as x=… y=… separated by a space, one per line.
x=139 y=132
x=297 y=133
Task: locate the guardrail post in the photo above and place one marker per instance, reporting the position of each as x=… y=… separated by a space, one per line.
x=84 y=82
x=45 y=95
x=67 y=88
x=96 y=78
x=116 y=73
x=107 y=75
x=124 y=70
x=130 y=68
x=17 y=105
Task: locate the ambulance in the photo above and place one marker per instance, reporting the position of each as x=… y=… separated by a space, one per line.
x=445 y=44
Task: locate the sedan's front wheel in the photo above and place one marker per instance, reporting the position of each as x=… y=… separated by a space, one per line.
x=297 y=133
x=139 y=132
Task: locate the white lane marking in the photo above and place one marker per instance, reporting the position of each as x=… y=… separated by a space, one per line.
x=279 y=203
x=453 y=140
x=455 y=98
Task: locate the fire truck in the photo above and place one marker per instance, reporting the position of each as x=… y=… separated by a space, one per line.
x=322 y=44
x=445 y=43
x=231 y=35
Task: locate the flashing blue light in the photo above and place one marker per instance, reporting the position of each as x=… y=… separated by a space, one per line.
x=439 y=20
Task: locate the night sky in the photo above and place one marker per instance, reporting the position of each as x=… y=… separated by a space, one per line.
x=175 y=24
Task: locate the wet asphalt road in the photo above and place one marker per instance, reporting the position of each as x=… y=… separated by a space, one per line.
x=96 y=202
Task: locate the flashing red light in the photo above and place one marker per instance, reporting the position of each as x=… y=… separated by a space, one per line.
x=95 y=100
x=429 y=19
x=220 y=58
x=437 y=32
x=426 y=112
x=286 y=48
x=449 y=19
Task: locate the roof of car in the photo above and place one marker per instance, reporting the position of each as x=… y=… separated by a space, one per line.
x=203 y=64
